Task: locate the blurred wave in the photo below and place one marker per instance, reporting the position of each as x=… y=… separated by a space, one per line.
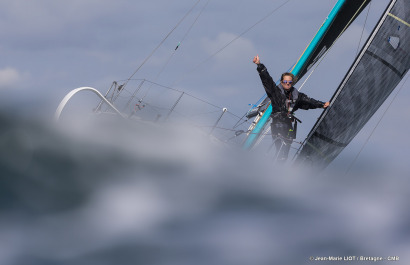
x=110 y=192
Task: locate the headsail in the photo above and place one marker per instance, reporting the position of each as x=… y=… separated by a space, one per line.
x=377 y=70
x=341 y=16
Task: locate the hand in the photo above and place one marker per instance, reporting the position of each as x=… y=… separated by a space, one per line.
x=326 y=105
x=256 y=59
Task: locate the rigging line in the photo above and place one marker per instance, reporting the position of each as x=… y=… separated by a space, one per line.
x=205 y=113
x=163 y=40
x=306 y=139
x=148 y=89
x=231 y=130
x=293 y=67
x=153 y=106
x=182 y=92
x=237 y=124
x=236 y=116
x=146 y=80
x=160 y=72
x=189 y=119
x=202 y=100
x=179 y=44
x=156 y=108
x=327 y=51
x=307 y=78
x=355 y=63
x=365 y=22
x=374 y=129
x=192 y=25
x=233 y=40
x=240 y=124
x=265 y=133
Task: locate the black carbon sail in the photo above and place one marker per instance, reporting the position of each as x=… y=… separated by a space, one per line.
x=348 y=13
x=377 y=70
x=339 y=19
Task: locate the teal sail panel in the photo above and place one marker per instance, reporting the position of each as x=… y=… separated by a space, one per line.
x=342 y=15
x=377 y=70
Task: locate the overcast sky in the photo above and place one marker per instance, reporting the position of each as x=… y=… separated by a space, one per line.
x=49 y=47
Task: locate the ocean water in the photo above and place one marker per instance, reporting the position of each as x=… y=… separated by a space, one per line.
x=108 y=192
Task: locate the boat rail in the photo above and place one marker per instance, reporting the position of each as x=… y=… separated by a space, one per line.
x=65 y=100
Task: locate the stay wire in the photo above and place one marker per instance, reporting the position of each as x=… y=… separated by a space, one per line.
x=176 y=48
x=327 y=51
x=375 y=127
x=188 y=94
x=230 y=42
x=365 y=22
x=192 y=25
x=318 y=63
x=163 y=40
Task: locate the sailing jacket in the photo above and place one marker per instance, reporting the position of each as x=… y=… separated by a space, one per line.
x=285 y=102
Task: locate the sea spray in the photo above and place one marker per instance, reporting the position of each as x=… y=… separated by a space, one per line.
x=108 y=192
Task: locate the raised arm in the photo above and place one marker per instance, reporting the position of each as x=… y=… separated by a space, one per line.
x=266 y=79
x=256 y=60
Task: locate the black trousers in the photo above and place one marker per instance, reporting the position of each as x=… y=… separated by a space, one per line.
x=283 y=135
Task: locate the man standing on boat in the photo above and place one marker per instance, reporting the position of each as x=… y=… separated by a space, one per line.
x=285 y=100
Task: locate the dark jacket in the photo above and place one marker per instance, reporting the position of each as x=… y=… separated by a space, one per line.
x=282 y=99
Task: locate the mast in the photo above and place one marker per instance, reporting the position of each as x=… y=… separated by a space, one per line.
x=382 y=63
x=340 y=17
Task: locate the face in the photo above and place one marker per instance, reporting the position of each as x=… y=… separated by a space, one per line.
x=287 y=82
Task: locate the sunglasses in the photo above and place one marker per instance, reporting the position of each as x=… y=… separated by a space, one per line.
x=287 y=82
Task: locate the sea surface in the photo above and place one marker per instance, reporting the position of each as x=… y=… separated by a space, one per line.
x=88 y=192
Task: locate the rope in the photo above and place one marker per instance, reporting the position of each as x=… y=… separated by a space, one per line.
x=327 y=51
x=307 y=78
x=374 y=129
x=188 y=94
x=233 y=40
x=227 y=129
x=321 y=59
x=192 y=25
x=153 y=107
x=163 y=40
x=179 y=44
x=239 y=124
x=365 y=22
x=205 y=113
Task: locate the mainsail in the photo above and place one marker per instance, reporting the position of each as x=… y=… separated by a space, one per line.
x=380 y=66
x=342 y=15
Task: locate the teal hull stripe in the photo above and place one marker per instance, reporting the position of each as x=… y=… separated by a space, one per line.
x=318 y=37
x=296 y=70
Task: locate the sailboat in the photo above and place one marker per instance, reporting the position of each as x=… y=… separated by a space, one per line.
x=385 y=54
x=341 y=16
x=377 y=70
x=380 y=66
